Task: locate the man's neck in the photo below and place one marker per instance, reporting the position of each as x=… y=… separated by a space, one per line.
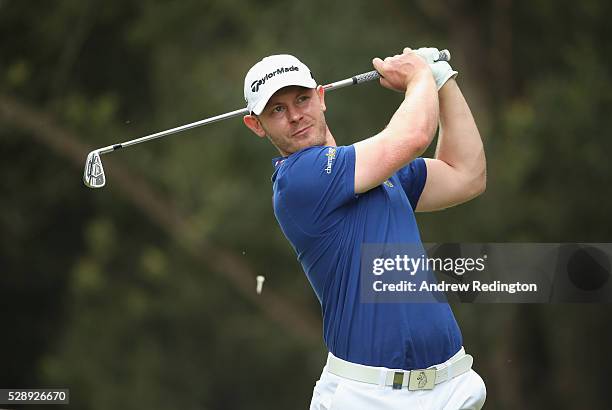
x=329 y=142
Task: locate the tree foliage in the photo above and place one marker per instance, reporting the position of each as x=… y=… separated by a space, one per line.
x=142 y=295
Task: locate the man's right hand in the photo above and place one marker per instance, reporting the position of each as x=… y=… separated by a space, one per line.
x=398 y=71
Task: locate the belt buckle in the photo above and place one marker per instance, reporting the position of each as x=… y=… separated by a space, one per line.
x=421 y=379
x=398 y=380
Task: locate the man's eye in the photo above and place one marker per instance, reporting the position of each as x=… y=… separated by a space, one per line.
x=278 y=108
x=303 y=98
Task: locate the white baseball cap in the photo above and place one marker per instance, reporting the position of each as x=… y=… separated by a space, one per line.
x=270 y=75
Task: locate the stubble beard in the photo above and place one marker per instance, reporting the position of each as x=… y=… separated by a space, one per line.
x=287 y=147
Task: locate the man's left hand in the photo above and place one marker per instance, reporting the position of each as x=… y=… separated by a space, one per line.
x=442 y=71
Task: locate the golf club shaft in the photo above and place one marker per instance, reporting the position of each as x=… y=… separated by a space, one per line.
x=185 y=127
x=358 y=79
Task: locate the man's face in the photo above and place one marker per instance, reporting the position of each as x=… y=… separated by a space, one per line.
x=293 y=119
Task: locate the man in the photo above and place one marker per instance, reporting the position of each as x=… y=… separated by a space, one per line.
x=330 y=200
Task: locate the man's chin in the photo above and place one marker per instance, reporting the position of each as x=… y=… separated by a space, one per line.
x=314 y=142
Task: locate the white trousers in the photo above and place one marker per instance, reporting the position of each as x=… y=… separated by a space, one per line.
x=464 y=392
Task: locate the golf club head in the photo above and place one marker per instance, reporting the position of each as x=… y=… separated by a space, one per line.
x=93 y=177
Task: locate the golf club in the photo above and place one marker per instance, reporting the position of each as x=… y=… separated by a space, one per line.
x=94 y=177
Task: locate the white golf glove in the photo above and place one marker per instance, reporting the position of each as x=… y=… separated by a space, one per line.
x=442 y=71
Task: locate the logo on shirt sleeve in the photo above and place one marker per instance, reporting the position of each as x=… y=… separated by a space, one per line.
x=331 y=155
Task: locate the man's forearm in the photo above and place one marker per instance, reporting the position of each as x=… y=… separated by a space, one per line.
x=459 y=142
x=411 y=128
x=417 y=115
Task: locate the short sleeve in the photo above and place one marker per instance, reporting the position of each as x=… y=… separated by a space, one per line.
x=413 y=177
x=315 y=183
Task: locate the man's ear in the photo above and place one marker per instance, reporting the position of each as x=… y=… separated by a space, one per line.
x=321 y=93
x=252 y=122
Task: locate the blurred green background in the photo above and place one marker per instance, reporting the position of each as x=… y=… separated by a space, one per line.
x=142 y=294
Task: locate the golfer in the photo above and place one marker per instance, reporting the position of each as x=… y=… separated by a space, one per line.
x=330 y=200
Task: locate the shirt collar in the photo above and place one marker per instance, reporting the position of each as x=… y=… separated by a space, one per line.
x=276 y=162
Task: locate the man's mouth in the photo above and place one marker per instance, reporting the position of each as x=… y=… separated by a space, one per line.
x=301 y=131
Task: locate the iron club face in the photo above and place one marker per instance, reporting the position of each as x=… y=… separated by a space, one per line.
x=93 y=176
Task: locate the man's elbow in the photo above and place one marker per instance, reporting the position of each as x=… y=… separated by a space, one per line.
x=419 y=147
x=400 y=151
x=478 y=179
x=421 y=141
x=478 y=184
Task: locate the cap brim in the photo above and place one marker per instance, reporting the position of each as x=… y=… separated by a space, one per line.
x=261 y=104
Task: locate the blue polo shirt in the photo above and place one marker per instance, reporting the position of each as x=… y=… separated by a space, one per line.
x=327 y=223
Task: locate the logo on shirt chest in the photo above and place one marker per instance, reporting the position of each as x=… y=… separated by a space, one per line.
x=388 y=183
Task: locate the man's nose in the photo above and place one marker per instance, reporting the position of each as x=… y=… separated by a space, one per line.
x=294 y=114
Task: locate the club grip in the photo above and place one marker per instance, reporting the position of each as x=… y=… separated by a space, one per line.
x=365 y=77
x=444 y=55
x=374 y=75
